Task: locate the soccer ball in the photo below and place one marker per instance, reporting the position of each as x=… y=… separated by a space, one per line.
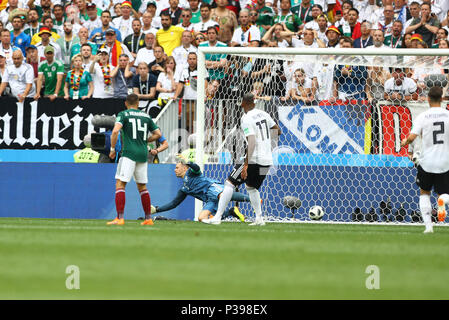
x=316 y=213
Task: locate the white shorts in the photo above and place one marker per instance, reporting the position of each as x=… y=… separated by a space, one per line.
x=127 y=169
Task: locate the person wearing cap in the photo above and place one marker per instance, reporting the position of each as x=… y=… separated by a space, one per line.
x=48 y=27
x=415 y=40
x=333 y=35
x=427 y=26
x=45 y=35
x=169 y=36
x=20 y=78
x=115 y=48
x=152 y=8
x=94 y=20
x=6 y=47
x=18 y=37
x=98 y=35
x=124 y=22
x=51 y=73
x=100 y=69
x=285 y=16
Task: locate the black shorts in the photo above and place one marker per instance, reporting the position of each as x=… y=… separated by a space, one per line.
x=427 y=180
x=256 y=175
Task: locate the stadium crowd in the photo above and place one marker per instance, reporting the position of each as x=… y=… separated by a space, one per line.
x=107 y=48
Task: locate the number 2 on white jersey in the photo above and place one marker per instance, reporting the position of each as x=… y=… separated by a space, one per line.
x=138 y=127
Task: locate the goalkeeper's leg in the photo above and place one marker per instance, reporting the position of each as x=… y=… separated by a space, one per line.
x=442 y=201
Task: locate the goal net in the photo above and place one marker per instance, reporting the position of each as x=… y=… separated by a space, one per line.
x=342 y=116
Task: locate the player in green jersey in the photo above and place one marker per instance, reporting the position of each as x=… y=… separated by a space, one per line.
x=134 y=125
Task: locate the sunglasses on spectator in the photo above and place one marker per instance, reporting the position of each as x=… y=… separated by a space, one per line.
x=185 y=15
x=253 y=14
x=200 y=38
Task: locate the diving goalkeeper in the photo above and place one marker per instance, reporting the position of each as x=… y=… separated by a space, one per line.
x=202 y=188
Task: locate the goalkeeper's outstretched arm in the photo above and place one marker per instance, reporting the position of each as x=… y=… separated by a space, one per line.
x=180 y=196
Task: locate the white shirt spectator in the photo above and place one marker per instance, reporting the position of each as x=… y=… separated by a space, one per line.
x=242 y=38
x=407 y=87
x=100 y=89
x=191 y=27
x=166 y=84
x=161 y=5
x=40 y=50
x=325 y=3
x=325 y=78
x=124 y=26
x=18 y=78
x=91 y=25
x=8 y=53
x=180 y=54
x=189 y=79
x=144 y=55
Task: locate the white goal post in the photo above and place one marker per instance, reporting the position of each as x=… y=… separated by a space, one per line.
x=343 y=154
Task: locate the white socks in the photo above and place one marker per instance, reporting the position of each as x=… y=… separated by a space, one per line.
x=225 y=198
x=254 y=198
x=426 y=209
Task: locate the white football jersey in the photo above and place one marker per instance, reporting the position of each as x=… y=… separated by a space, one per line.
x=258 y=123
x=433 y=127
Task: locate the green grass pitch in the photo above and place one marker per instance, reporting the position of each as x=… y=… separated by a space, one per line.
x=190 y=260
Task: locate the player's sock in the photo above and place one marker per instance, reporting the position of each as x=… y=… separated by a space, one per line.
x=254 y=197
x=238 y=196
x=225 y=197
x=146 y=203
x=227 y=213
x=120 y=202
x=425 y=207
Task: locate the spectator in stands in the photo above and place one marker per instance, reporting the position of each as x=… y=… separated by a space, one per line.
x=246 y=34
x=156 y=19
x=441 y=35
x=377 y=76
x=135 y=41
x=98 y=35
x=333 y=37
x=144 y=83
x=19 y=39
x=174 y=11
x=157 y=66
x=32 y=26
x=20 y=78
x=43 y=9
x=386 y=20
x=394 y=40
x=415 y=12
x=415 y=40
x=303 y=10
x=378 y=40
x=181 y=53
x=185 y=23
x=401 y=11
x=83 y=36
x=309 y=40
x=122 y=77
x=32 y=59
x=277 y=36
x=206 y=20
x=406 y=41
x=226 y=19
x=400 y=88
x=117 y=12
x=147 y=23
x=285 y=16
x=443 y=44
x=66 y=42
x=124 y=22
x=198 y=39
x=266 y=14
x=353 y=27
x=46 y=40
x=365 y=40
x=349 y=80
x=215 y=63
x=48 y=25
x=87 y=55
x=51 y=73
x=100 y=69
x=146 y=54
x=301 y=89
x=253 y=17
x=194 y=5
x=5 y=45
x=4 y=14
x=115 y=48
x=166 y=84
x=2 y=72
x=58 y=13
x=78 y=83
x=317 y=11
x=169 y=37
x=94 y=21
x=427 y=26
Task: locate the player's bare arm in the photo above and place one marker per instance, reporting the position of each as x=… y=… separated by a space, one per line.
x=249 y=154
x=156 y=134
x=408 y=140
x=114 y=136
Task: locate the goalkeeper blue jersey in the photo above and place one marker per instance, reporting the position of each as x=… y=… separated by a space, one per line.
x=197 y=185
